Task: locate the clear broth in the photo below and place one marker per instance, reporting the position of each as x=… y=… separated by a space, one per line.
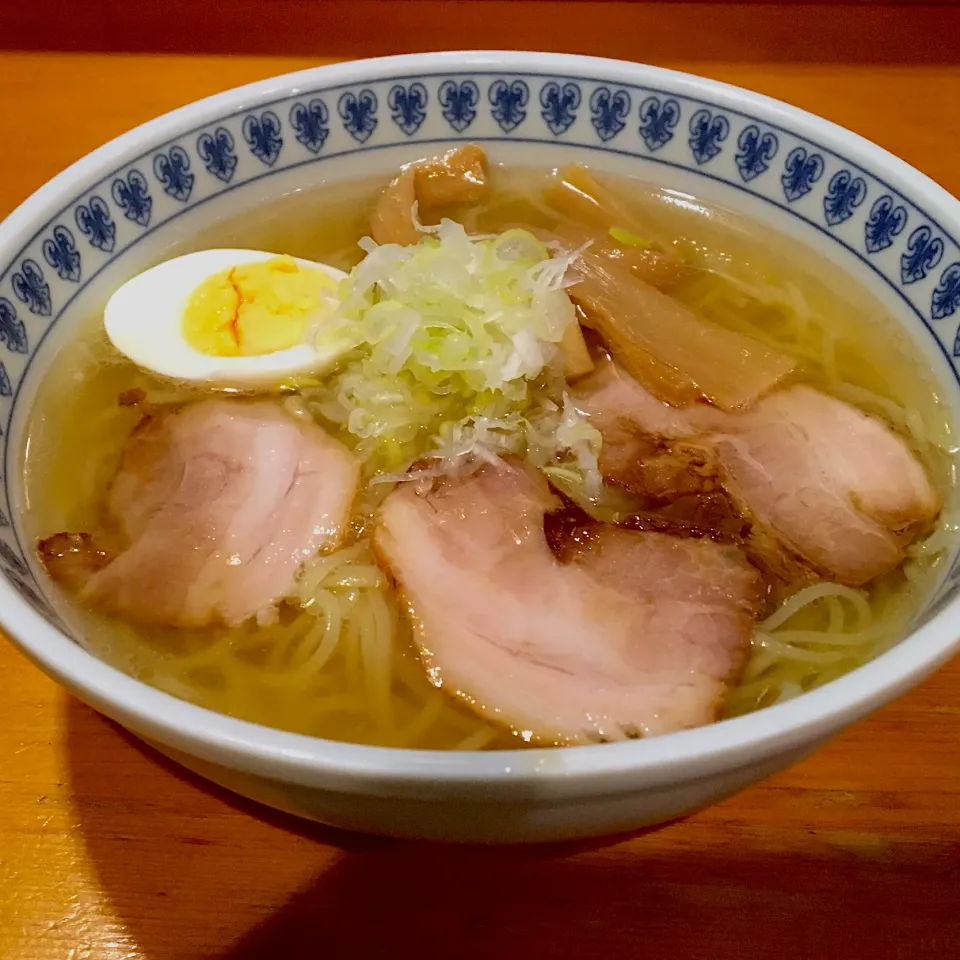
x=745 y=277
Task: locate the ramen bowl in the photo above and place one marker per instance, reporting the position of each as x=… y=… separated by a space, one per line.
x=118 y=209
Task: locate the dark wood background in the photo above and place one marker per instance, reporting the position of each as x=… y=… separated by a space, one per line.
x=873 y=31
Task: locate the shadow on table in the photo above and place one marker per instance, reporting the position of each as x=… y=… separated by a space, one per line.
x=194 y=872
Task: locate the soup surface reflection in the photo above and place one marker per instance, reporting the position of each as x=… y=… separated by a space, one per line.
x=591 y=460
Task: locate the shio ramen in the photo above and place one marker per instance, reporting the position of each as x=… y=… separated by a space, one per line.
x=486 y=457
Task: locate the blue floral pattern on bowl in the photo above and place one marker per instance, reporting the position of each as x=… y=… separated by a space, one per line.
x=845 y=193
x=755 y=151
x=358 y=111
x=658 y=120
x=30 y=288
x=905 y=246
x=885 y=223
x=172 y=169
x=459 y=102
x=508 y=99
x=559 y=106
x=217 y=151
x=13 y=333
x=311 y=121
x=924 y=251
x=132 y=196
x=94 y=220
x=408 y=106
x=946 y=298
x=60 y=251
x=609 y=110
x=800 y=173
x=707 y=133
x=262 y=134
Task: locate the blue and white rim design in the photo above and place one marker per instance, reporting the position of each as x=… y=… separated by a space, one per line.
x=901 y=243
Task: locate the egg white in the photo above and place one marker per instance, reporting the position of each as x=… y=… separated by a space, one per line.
x=144 y=321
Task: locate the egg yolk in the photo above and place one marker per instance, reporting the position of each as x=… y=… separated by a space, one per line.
x=255 y=308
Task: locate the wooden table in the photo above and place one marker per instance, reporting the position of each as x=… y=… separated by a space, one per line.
x=108 y=852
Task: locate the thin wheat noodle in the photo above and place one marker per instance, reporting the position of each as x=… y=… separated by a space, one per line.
x=938 y=541
x=323 y=649
x=789 y=652
x=428 y=716
x=375 y=650
x=788 y=691
x=759 y=663
x=826 y=637
x=790 y=608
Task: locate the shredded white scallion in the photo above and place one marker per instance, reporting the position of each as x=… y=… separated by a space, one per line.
x=454 y=346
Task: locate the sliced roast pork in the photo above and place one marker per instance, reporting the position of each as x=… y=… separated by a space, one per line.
x=829 y=490
x=213 y=509
x=655 y=452
x=651 y=448
x=621 y=407
x=632 y=634
x=837 y=486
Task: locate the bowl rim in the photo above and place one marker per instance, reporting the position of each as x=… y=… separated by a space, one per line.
x=298 y=758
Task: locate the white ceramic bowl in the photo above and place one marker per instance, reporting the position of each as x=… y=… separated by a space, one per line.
x=116 y=210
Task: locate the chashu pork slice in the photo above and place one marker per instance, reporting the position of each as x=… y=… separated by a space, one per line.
x=837 y=486
x=215 y=505
x=634 y=634
x=829 y=490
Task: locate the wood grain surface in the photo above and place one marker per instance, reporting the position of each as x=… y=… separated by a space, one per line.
x=861 y=31
x=109 y=853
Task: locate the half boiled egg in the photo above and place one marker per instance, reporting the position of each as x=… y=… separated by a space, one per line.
x=234 y=318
